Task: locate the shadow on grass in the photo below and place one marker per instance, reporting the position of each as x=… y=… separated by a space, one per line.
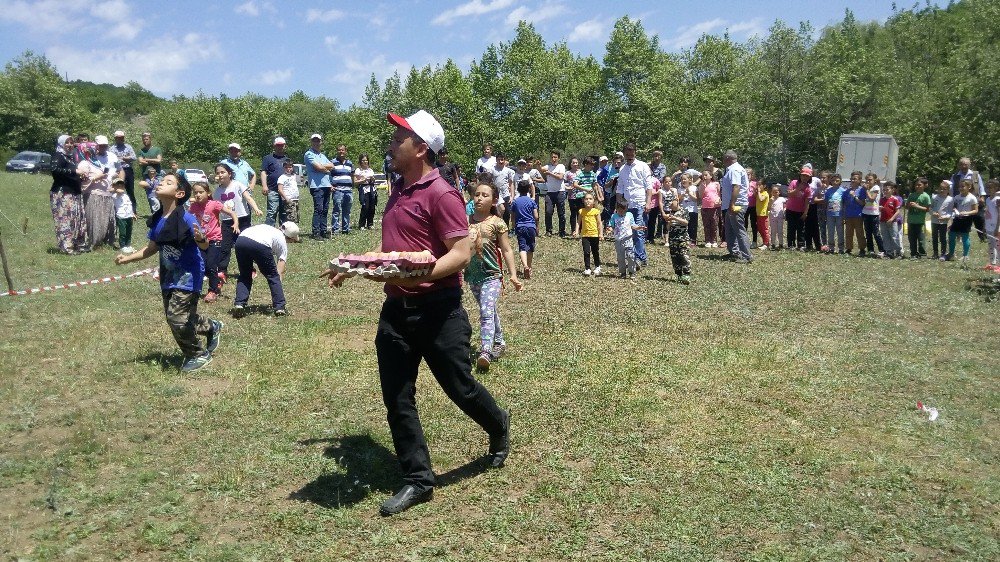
x=368 y=467
x=257 y=309
x=166 y=361
x=987 y=287
x=715 y=257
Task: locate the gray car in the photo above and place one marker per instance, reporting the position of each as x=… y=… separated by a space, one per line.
x=31 y=162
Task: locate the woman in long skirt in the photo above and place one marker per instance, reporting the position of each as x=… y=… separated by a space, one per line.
x=98 y=202
x=66 y=200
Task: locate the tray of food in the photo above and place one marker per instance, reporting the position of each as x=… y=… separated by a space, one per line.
x=384 y=264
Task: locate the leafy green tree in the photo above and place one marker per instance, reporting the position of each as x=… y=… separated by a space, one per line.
x=36 y=105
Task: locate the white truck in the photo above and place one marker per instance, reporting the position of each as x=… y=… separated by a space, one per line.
x=868 y=153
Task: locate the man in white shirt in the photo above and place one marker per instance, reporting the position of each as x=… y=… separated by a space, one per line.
x=266 y=248
x=635 y=188
x=555 y=193
x=735 y=194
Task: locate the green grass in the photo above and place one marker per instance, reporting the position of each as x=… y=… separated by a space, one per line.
x=763 y=413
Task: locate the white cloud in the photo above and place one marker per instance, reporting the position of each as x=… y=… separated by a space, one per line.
x=162 y=74
x=248 y=8
x=108 y=20
x=590 y=30
x=748 y=28
x=272 y=77
x=472 y=8
x=689 y=35
x=546 y=12
x=323 y=16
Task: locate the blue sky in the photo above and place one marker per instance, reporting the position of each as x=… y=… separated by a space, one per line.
x=331 y=48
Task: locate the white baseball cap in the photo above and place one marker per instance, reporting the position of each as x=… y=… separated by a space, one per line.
x=316 y=136
x=279 y=140
x=291 y=230
x=235 y=145
x=424 y=125
x=602 y=159
x=119 y=133
x=100 y=139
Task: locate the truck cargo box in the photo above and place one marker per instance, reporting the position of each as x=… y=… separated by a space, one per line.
x=868 y=153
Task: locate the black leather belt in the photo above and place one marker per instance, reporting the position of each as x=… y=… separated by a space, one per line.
x=425 y=299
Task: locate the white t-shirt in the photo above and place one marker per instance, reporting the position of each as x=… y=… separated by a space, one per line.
x=502 y=180
x=623 y=226
x=871 y=205
x=362 y=175
x=232 y=198
x=941 y=204
x=289 y=186
x=485 y=164
x=554 y=185
x=112 y=165
x=268 y=236
x=777 y=207
x=123 y=206
x=992 y=205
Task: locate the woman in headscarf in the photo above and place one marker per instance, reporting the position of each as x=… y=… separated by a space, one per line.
x=98 y=200
x=66 y=200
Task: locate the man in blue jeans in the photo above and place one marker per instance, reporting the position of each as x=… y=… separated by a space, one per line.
x=318 y=168
x=342 y=180
x=635 y=188
x=735 y=194
x=272 y=166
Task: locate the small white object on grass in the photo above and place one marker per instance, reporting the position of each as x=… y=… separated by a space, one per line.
x=932 y=413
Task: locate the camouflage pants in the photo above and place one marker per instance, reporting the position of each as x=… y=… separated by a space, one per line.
x=181 y=309
x=680 y=252
x=290 y=211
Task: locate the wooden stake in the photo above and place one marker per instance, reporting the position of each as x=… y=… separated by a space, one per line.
x=6 y=270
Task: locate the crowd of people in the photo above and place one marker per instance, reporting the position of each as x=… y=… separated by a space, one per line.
x=195 y=228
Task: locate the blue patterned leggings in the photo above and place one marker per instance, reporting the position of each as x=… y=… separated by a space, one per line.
x=487 y=294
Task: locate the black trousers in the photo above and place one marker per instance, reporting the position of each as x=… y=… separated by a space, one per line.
x=750 y=223
x=654 y=224
x=555 y=201
x=693 y=226
x=591 y=245
x=130 y=185
x=872 y=233
x=369 y=201
x=434 y=328
x=978 y=220
x=812 y=229
x=915 y=234
x=939 y=237
x=228 y=239
x=574 y=212
x=796 y=229
x=211 y=258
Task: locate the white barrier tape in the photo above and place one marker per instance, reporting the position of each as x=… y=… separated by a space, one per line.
x=150 y=271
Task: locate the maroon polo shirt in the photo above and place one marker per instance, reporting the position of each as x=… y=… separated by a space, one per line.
x=421 y=216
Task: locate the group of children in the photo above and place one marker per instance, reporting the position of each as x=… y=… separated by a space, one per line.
x=828 y=215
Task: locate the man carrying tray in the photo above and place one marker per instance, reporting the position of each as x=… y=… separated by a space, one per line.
x=423 y=317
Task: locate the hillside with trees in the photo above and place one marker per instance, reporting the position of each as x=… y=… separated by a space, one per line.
x=929 y=76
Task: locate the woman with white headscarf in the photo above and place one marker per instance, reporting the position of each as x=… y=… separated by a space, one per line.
x=98 y=199
x=66 y=200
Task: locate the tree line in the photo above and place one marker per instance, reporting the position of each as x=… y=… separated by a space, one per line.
x=930 y=76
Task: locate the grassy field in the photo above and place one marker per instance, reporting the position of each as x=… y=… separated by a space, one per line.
x=761 y=413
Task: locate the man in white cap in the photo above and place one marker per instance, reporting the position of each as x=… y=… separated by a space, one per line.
x=242 y=170
x=423 y=317
x=271 y=168
x=112 y=167
x=126 y=155
x=265 y=249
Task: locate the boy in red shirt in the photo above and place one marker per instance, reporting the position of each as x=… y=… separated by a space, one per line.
x=890 y=209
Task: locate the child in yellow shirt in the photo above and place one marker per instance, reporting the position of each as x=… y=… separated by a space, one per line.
x=589 y=229
x=763 y=206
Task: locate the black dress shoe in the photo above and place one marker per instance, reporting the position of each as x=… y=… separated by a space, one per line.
x=500 y=444
x=407 y=497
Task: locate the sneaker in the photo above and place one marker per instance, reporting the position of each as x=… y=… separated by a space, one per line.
x=597 y=271
x=880 y=256
x=763 y=247
x=527 y=273
x=215 y=336
x=128 y=250
x=281 y=312
x=498 y=351
x=239 y=311
x=685 y=279
x=195 y=363
x=586 y=272
x=483 y=361
x=211 y=296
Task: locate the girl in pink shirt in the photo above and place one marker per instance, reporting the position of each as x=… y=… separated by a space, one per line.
x=708 y=190
x=207 y=211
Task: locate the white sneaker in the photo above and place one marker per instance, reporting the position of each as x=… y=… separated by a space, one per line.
x=128 y=250
x=763 y=247
x=597 y=271
x=586 y=272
